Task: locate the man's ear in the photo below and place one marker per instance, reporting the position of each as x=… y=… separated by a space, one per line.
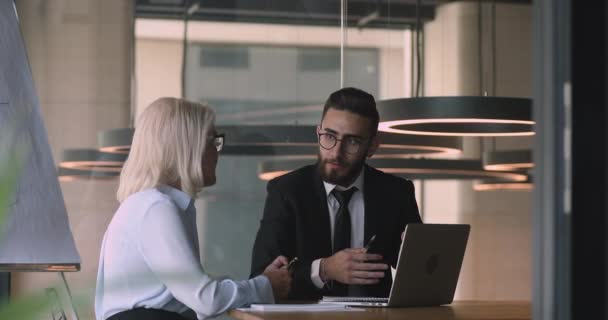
x=318 y=130
x=373 y=146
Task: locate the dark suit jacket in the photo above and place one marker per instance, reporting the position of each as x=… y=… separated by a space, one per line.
x=296 y=224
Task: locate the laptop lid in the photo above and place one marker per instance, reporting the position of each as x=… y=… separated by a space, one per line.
x=429 y=264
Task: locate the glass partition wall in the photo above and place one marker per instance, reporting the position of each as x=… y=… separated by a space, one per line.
x=267 y=63
x=261 y=73
x=272 y=65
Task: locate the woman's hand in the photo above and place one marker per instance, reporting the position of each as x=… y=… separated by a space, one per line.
x=278 y=263
x=279 y=277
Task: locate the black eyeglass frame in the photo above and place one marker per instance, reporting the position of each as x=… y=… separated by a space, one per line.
x=218 y=141
x=336 y=140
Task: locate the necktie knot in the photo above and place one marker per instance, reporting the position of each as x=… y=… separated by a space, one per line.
x=343 y=197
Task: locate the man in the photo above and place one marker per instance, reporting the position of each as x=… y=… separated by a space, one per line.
x=325 y=214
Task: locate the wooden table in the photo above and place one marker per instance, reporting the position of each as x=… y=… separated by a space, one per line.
x=459 y=310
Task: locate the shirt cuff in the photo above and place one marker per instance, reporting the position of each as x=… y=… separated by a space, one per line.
x=315 y=275
x=262 y=290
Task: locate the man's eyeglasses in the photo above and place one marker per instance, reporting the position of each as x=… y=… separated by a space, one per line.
x=351 y=145
x=218 y=141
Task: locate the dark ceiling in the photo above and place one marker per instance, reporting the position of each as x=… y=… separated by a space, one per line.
x=393 y=14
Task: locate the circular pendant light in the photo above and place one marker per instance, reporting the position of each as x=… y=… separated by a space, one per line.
x=507 y=160
x=504 y=185
x=301 y=142
x=439 y=169
x=294 y=141
x=115 y=140
x=457 y=116
x=91 y=159
x=65 y=175
x=478 y=116
x=259 y=140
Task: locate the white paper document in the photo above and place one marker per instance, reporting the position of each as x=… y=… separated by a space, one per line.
x=314 y=307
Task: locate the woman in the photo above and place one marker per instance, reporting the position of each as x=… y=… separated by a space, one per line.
x=149 y=265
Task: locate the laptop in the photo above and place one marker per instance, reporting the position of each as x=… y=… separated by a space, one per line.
x=428 y=267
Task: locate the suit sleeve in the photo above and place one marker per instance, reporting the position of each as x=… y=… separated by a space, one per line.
x=411 y=211
x=408 y=214
x=272 y=237
x=277 y=236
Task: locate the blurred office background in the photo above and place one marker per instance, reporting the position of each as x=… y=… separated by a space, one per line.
x=98 y=64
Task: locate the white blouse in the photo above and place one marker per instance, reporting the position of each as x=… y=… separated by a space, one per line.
x=150 y=258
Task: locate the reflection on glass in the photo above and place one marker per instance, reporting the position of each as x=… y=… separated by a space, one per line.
x=256 y=84
x=261 y=74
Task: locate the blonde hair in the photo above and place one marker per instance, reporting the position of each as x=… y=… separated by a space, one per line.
x=168 y=147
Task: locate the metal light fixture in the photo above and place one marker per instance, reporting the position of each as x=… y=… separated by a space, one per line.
x=65 y=175
x=301 y=142
x=440 y=169
x=104 y=163
x=507 y=160
x=84 y=164
x=504 y=185
x=280 y=140
x=457 y=116
x=294 y=141
x=91 y=159
x=479 y=116
x=115 y=140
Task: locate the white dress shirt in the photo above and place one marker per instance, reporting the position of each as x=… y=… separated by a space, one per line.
x=150 y=259
x=356 y=208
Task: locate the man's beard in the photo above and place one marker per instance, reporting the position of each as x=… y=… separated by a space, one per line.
x=342 y=179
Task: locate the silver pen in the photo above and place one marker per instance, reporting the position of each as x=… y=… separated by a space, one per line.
x=370 y=242
x=291 y=263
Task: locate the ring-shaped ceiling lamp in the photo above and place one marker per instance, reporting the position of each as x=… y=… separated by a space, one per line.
x=91 y=159
x=507 y=160
x=65 y=174
x=301 y=142
x=504 y=185
x=457 y=116
x=439 y=169
x=115 y=140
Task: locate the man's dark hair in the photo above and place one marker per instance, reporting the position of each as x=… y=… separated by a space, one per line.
x=356 y=101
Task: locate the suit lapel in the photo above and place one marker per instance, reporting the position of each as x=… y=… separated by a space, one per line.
x=372 y=202
x=321 y=217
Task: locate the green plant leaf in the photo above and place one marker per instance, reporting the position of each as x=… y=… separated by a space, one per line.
x=25 y=308
x=9 y=174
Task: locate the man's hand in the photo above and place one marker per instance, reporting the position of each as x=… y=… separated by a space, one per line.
x=353 y=266
x=278 y=263
x=279 y=277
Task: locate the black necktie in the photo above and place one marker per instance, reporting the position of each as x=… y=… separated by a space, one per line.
x=342 y=225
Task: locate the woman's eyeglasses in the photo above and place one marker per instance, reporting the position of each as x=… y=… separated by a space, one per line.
x=218 y=141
